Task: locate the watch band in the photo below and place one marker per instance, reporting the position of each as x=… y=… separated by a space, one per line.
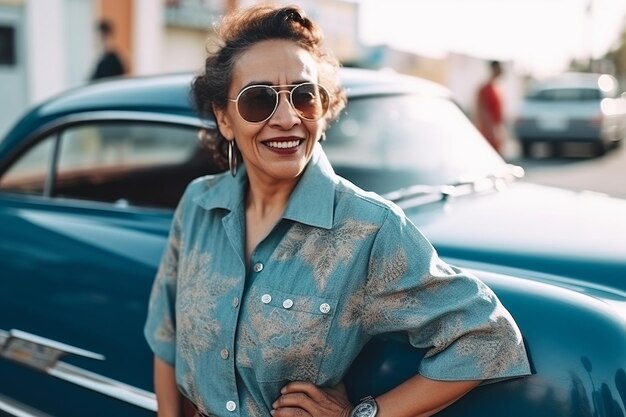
x=366 y=408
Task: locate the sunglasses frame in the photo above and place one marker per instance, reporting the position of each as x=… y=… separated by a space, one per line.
x=278 y=91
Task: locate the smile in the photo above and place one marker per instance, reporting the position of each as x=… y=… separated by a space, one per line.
x=283 y=144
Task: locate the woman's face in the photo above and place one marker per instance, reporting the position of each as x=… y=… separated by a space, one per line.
x=279 y=148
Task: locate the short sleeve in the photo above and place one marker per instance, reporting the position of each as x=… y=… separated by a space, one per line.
x=160 y=327
x=460 y=323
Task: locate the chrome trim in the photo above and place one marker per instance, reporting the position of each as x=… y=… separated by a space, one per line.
x=18 y=334
x=39 y=352
x=104 y=385
x=43 y=354
x=121 y=116
x=52 y=169
x=18 y=410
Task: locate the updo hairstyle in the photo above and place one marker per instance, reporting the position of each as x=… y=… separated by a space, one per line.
x=243 y=29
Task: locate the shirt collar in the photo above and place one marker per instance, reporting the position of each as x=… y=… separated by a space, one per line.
x=311 y=202
x=224 y=191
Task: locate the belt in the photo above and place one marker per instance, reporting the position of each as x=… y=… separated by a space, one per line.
x=190 y=409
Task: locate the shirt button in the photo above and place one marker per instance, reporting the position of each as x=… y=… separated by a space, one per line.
x=231 y=406
x=288 y=303
x=235 y=302
x=224 y=353
x=266 y=298
x=258 y=267
x=325 y=308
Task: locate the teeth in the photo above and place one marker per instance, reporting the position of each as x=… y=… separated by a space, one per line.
x=283 y=144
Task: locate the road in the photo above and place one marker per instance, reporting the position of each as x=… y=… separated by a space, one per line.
x=606 y=174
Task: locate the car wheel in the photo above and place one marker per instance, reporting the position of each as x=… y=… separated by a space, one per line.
x=557 y=149
x=527 y=149
x=600 y=148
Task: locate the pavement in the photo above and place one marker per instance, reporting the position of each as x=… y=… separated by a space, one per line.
x=576 y=170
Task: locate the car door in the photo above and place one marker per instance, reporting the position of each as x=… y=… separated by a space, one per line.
x=84 y=214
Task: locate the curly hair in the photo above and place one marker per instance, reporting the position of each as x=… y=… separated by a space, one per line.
x=243 y=29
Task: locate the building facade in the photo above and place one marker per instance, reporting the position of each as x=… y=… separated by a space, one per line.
x=48 y=46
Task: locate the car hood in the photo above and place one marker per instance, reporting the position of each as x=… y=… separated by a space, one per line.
x=580 y=235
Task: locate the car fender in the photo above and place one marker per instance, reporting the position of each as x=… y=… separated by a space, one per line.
x=576 y=345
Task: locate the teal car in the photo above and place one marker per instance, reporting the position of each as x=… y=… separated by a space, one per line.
x=89 y=180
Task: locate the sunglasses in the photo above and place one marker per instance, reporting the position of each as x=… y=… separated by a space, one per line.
x=257 y=103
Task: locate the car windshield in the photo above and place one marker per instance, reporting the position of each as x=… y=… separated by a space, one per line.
x=384 y=143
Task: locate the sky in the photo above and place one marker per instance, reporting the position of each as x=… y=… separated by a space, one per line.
x=539 y=36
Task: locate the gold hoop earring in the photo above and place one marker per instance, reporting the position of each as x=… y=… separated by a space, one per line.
x=232 y=158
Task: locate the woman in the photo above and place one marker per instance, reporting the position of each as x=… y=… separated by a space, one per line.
x=277 y=273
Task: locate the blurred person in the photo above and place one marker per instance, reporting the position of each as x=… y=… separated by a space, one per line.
x=277 y=272
x=110 y=64
x=490 y=109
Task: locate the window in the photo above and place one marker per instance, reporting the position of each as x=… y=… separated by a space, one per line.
x=28 y=175
x=567 y=94
x=7 y=45
x=129 y=163
x=123 y=163
x=384 y=143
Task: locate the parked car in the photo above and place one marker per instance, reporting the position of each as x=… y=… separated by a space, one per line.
x=88 y=181
x=573 y=108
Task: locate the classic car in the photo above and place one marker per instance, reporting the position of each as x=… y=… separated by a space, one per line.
x=89 y=180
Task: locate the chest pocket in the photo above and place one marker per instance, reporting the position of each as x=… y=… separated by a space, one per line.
x=283 y=336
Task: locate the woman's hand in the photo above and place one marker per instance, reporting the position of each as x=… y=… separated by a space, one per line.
x=303 y=399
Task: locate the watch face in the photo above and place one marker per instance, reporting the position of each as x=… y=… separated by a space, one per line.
x=365 y=409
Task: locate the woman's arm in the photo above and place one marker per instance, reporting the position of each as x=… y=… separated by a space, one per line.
x=421 y=397
x=416 y=397
x=168 y=397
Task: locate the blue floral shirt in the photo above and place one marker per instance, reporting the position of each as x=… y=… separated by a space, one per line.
x=341 y=266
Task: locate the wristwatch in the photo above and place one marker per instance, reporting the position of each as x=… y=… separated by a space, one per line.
x=366 y=408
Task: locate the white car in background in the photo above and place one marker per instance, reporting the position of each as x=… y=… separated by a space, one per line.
x=573 y=108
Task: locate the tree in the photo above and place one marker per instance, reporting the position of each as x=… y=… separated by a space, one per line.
x=618 y=55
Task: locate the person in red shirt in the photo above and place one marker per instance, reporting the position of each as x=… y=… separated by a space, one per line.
x=489 y=109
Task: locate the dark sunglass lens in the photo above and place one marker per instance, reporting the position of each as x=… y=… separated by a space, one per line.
x=257 y=103
x=310 y=100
